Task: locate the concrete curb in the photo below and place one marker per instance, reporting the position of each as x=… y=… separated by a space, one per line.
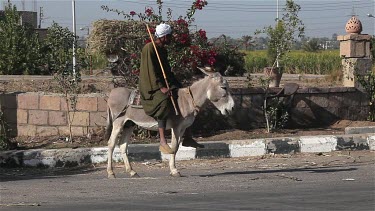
x=232 y=148
x=359 y=130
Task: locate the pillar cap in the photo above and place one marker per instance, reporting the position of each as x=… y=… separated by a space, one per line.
x=353 y=25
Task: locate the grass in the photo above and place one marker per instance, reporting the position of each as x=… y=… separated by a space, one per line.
x=297 y=62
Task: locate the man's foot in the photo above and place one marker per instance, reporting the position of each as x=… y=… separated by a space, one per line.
x=190 y=142
x=165 y=149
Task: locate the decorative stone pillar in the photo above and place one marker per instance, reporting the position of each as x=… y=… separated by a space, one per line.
x=355 y=52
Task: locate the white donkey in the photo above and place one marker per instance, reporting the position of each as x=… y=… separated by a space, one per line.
x=122 y=118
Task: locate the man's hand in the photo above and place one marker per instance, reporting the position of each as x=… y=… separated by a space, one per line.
x=165 y=91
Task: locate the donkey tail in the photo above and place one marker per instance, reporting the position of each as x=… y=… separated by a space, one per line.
x=108 y=128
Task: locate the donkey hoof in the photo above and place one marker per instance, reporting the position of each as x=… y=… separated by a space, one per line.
x=135 y=175
x=111 y=176
x=177 y=174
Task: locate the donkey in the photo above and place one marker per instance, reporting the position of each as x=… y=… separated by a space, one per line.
x=121 y=118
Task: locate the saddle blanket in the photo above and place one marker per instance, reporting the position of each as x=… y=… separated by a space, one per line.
x=135 y=99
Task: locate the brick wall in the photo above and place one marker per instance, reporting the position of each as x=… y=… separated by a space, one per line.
x=38 y=114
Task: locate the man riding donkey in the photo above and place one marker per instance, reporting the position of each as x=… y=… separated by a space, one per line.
x=158 y=97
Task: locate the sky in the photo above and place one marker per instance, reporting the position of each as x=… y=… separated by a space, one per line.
x=234 y=18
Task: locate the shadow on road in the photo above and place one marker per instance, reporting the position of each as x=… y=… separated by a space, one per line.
x=312 y=170
x=14 y=174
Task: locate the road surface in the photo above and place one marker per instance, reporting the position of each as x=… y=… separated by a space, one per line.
x=343 y=180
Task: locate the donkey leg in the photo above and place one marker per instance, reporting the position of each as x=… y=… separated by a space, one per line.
x=176 y=139
x=111 y=146
x=127 y=132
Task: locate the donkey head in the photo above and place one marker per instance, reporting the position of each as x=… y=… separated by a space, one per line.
x=218 y=91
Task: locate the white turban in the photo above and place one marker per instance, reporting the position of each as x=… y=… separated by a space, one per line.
x=162 y=30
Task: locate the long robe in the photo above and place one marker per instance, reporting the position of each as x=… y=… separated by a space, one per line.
x=155 y=103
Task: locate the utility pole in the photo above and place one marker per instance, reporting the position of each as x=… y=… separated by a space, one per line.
x=74 y=39
x=277 y=9
x=277 y=20
x=41 y=16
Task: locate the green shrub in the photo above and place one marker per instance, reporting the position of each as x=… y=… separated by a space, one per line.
x=373 y=48
x=99 y=61
x=4 y=138
x=368 y=83
x=22 y=53
x=20 y=49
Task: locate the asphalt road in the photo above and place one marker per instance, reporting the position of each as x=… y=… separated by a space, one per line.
x=328 y=181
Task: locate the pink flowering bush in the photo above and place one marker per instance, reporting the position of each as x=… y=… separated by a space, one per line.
x=189 y=49
x=127 y=38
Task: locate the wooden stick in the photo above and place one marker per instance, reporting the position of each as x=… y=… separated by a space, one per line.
x=162 y=69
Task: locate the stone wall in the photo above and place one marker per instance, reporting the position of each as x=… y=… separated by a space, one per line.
x=39 y=114
x=311 y=107
x=355 y=50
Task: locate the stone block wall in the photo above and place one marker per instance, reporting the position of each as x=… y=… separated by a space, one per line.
x=38 y=114
x=355 y=50
x=355 y=45
x=311 y=107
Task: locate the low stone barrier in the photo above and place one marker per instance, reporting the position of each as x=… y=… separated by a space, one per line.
x=42 y=114
x=227 y=148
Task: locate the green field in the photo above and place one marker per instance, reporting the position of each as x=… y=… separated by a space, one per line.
x=297 y=62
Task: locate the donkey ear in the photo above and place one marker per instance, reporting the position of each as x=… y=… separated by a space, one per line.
x=207 y=70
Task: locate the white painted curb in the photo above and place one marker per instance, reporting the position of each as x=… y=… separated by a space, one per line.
x=183 y=153
x=371 y=142
x=318 y=143
x=243 y=148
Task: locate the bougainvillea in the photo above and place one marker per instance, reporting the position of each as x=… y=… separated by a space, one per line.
x=190 y=49
x=127 y=38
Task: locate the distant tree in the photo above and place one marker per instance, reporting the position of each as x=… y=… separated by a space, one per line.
x=334 y=36
x=247 y=41
x=311 y=45
x=260 y=43
x=224 y=39
x=335 y=44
